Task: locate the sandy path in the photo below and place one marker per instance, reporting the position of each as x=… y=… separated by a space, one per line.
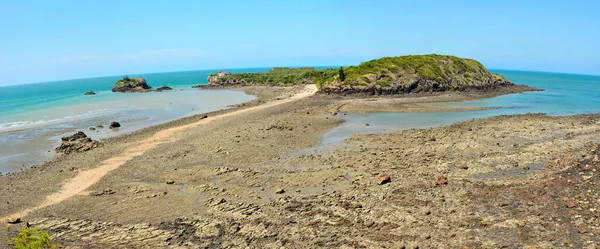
x=85 y=179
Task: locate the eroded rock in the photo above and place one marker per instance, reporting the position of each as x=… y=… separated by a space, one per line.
x=78 y=142
x=131 y=85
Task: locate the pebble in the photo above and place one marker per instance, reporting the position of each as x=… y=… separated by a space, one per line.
x=170 y=181
x=427 y=211
x=383 y=178
x=442 y=180
x=279 y=191
x=464 y=166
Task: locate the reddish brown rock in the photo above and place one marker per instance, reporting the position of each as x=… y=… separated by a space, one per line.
x=464 y=166
x=571 y=204
x=521 y=223
x=383 y=179
x=442 y=180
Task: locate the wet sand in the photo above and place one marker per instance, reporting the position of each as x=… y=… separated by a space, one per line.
x=31 y=144
x=251 y=180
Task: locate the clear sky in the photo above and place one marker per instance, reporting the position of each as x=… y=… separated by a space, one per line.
x=54 y=40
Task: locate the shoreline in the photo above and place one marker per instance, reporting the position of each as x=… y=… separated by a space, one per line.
x=84 y=179
x=37 y=140
x=242 y=171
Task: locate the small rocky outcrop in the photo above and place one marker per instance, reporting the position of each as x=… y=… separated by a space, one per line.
x=218 y=78
x=90 y=93
x=114 y=124
x=163 y=88
x=78 y=142
x=131 y=85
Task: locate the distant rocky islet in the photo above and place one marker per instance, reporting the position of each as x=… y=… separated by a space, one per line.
x=136 y=85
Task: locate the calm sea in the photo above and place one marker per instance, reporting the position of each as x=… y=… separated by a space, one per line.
x=565 y=94
x=33 y=117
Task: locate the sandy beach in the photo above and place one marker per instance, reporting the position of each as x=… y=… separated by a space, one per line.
x=246 y=177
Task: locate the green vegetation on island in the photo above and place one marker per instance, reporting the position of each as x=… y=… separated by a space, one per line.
x=131 y=85
x=401 y=74
x=275 y=76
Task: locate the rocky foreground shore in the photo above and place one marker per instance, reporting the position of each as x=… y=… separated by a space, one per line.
x=254 y=180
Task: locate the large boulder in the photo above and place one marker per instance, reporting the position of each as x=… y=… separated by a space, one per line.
x=78 y=142
x=131 y=85
x=114 y=124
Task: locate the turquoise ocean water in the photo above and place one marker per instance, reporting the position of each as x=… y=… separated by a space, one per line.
x=17 y=103
x=33 y=117
x=564 y=94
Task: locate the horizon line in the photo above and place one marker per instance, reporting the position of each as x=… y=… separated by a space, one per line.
x=270 y=67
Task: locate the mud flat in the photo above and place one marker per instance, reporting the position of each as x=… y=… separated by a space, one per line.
x=237 y=181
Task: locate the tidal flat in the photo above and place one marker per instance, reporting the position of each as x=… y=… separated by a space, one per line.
x=253 y=180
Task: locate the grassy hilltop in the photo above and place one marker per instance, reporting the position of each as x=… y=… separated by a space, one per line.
x=401 y=74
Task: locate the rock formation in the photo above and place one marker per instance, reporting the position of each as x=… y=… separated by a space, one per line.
x=78 y=142
x=131 y=85
x=217 y=79
x=90 y=93
x=163 y=88
x=114 y=124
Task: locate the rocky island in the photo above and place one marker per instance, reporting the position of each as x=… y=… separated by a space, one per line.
x=137 y=85
x=131 y=85
x=388 y=75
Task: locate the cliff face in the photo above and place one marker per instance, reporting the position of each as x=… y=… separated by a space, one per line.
x=388 y=75
x=131 y=85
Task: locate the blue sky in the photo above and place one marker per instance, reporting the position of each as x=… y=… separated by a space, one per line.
x=55 y=40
